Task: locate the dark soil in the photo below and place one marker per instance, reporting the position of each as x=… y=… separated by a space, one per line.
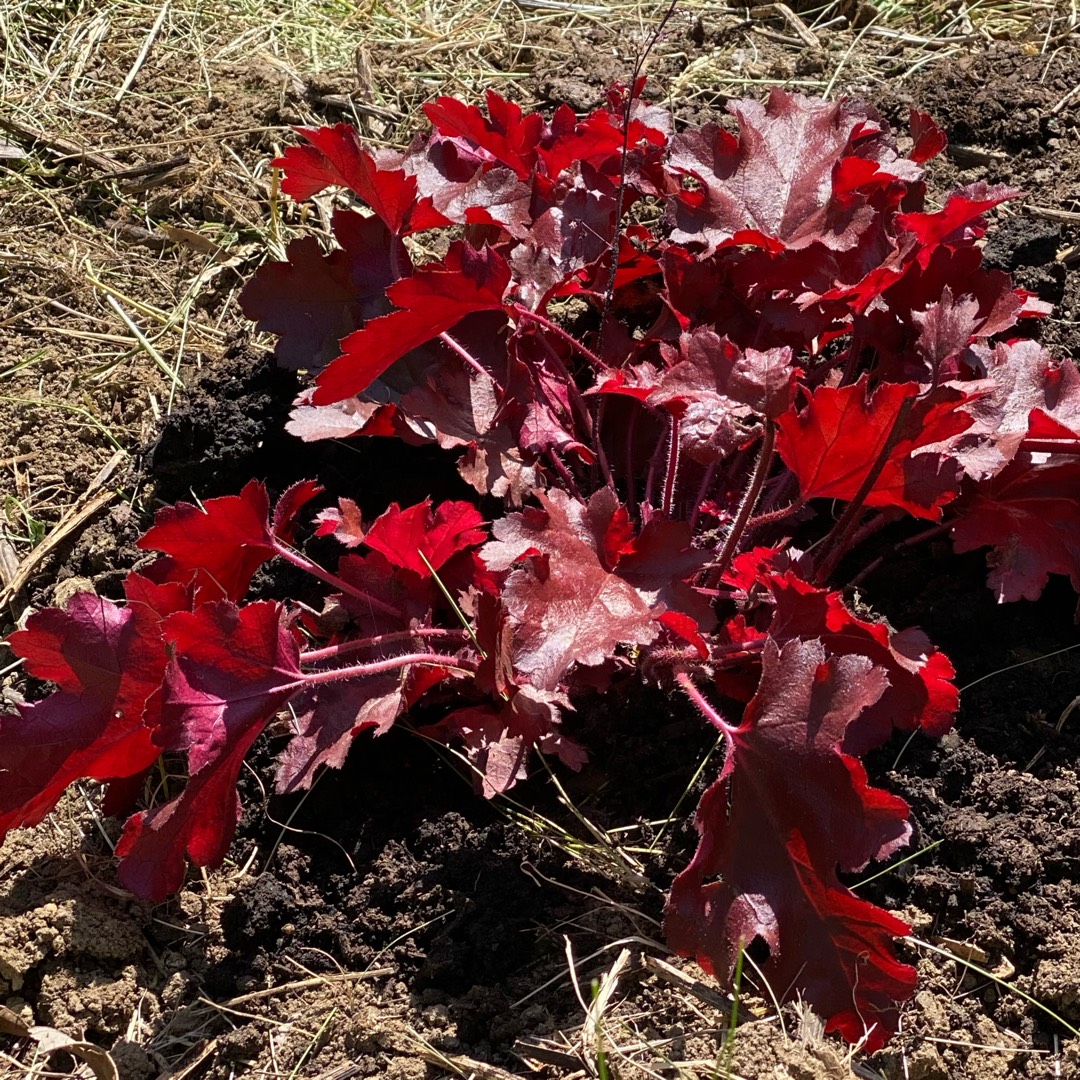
x=393 y=916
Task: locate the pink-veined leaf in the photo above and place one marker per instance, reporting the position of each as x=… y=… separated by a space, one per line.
x=566 y=608
x=772 y=186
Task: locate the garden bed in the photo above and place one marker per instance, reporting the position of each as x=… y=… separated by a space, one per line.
x=391 y=923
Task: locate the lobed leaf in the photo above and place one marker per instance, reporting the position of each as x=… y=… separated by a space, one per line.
x=788 y=810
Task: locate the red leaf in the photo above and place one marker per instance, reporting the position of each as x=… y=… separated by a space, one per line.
x=336 y=158
x=507 y=137
x=214 y=548
x=344 y=523
x=715 y=389
x=929 y=139
x=495 y=636
x=960 y=219
x=234 y=669
x=920 y=693
x=108 y=662
x=429 y=303
x=403 y=536
x=772 y=186
x=946 y=328
x=334 y=716
x=834 y=442
x=579 y=612
x=684 y=627
x=1030 y=395
x=498 y=742
x=313 y=300
x=288 y=508
x=1030 y=515
x=766 y=866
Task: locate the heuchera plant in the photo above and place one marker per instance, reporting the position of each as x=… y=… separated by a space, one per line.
x=697 y=370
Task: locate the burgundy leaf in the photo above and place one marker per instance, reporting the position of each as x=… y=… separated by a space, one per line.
x=576 y=612
x=716 y=390
x=288 y=508
x=773 y=185
x=946 y=328
x=313 y=300
x=961 y=217
x=429 y=303
x=1029 y=514
x=833 y=443
x=507 y=137
x=109 y=662
x=787 y=811
x=497 y=741
x=929 y=139
x=920 y=693
x=234 y=668
x=1029 y=394
x=334 y=716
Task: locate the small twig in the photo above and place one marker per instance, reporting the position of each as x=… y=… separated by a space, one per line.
x=58 y=144
x=1065 y=100
x=771 y=11
x=89 y=503
x=1051 y=213
x=143 y=52
x=671 y=974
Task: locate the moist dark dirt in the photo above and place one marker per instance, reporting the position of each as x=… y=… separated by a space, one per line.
x=392 y=923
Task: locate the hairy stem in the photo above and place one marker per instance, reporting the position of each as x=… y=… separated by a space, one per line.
x=749 y=501
x=706 y=710
x=313 y=568
x=380 y=667
x=564 y=474
x=672 y=467
x=598 y=443
x=586 y=419
x=770 y=517
x=542 y=320
x=315 y=656
x=455 y=346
